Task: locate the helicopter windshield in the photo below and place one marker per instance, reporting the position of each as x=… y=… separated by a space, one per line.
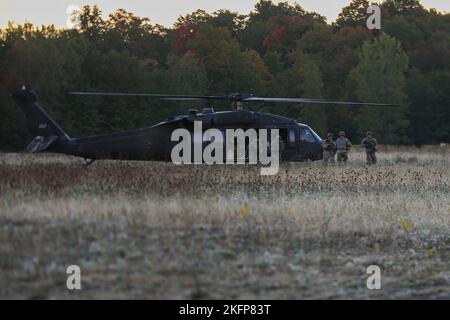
x=308 y=134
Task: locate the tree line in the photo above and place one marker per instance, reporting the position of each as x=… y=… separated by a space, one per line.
x=278 y=50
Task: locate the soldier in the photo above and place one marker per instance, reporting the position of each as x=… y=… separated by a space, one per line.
x=329 y=148
x=343 y=145
x=370 y=144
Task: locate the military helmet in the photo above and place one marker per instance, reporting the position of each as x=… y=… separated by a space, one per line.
x=330 y=135
x=342 y=133
x=369 y=133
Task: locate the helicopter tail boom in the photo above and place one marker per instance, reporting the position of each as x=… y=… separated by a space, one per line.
x=45 y=129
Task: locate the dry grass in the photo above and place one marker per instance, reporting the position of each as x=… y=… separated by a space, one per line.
x=155 y=230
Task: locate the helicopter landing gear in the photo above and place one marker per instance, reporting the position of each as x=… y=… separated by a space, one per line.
x=88 y=162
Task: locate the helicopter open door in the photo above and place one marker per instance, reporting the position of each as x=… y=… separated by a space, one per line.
x=289 y=143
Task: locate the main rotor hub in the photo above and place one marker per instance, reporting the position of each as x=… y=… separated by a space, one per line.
x=237 y=102
x=239 y=96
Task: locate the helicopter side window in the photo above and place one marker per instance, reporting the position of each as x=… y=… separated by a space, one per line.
x=291 y=136
x=306 y=135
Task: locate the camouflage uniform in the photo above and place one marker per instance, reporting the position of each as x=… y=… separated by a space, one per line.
x=329 y=149
x=370 y=144
x=342 y=147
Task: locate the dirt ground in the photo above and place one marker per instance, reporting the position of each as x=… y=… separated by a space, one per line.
x=158 y=231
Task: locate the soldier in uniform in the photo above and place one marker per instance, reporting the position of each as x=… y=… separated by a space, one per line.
x=343 y=145
x=329 y=149
x=370 y=144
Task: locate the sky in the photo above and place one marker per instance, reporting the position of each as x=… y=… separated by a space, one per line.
x=163 y=12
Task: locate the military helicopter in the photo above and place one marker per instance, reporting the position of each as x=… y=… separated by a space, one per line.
x=299 y=142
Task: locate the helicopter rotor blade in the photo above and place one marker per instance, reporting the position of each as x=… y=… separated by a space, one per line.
x=231 y=97
x=310 y=101
x=175 y=97
x=152 y=95
x=279 y=100
x=183 y=99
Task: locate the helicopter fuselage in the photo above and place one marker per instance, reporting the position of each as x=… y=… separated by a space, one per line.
x=299 y=142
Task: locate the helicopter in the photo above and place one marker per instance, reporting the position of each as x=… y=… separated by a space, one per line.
x=298 y=141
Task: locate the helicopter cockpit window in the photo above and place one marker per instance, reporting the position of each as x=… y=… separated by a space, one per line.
x=291 y=136
x=306 y=135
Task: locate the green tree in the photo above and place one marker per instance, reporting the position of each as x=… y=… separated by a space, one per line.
x=227 y=67
x=380 y=77
x=313 y=88
x=125 y=31
x=13 y=133
x=430 y=97
x=90 y=23
x=395 y=7
x=273 y=61
x=355 y=14
x=252 y=73
x=253 y=36
x=303 y=79
x=405 y=30
x=233 y=21
x=266 y=9
x=186 y=76
x=317 y=40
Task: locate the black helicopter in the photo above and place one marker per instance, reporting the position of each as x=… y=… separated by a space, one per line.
x=299 y=142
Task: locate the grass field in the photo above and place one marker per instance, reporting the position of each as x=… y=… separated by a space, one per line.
x=156 y=230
